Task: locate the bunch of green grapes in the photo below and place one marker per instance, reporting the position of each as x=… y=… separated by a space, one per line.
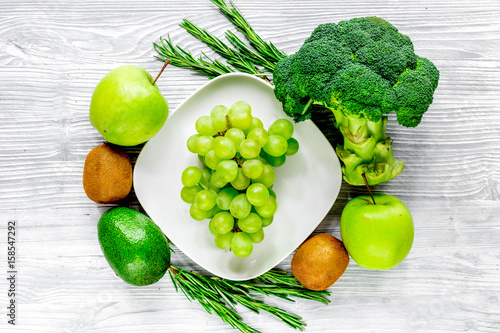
x=234 y=187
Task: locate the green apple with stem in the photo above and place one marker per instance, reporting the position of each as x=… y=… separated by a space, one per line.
x=127 y=107
x=377 y=231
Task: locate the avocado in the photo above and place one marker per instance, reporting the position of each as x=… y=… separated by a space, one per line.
x=134 y=246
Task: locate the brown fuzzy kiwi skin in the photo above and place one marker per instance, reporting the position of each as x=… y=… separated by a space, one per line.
x=107 y=174
x=319 y=262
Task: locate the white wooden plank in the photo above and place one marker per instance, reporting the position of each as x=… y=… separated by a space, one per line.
x=52 y=54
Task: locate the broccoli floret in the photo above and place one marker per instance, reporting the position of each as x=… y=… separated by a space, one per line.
x=362 y=70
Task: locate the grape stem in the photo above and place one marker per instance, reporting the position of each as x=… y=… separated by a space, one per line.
x=368 y=187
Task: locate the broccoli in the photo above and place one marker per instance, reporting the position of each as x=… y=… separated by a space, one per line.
x=361 y=69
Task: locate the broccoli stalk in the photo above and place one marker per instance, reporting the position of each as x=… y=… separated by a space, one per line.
x=366 y=150
x=361 y=70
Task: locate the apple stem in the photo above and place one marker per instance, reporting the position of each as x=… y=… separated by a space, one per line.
x=161 y=70
x=368 y=187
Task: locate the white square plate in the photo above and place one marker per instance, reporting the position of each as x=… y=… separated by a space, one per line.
x=306 y=186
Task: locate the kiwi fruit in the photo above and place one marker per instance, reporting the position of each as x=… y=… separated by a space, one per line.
x=319 y=262
x=107 y=174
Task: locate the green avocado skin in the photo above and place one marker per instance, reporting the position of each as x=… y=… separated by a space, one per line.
x=134 y=246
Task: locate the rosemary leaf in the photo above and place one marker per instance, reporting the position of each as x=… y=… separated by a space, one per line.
x=190 y=284
x=268 y=50
x=243 y=59
x=233 y=58
x=257 y=305
x=249 y=53
x=182 y=58
x=220 y=296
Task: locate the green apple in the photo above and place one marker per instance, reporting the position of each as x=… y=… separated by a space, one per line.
x=126 y=108
x=377 y=236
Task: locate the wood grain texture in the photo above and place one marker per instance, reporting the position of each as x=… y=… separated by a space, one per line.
x=53 y=53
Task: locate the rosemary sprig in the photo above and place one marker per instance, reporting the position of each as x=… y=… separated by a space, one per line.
x=280 y=284
x=220 y=296
x=243 y=58
x=266 y=49
x=247 y=52
x=181 y=58
x=233 y=58
x=195 y=287
x=288 y=286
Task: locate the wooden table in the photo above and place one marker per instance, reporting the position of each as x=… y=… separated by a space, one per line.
x=53 y=53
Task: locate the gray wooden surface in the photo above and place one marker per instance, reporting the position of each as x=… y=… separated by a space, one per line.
x=53 y=53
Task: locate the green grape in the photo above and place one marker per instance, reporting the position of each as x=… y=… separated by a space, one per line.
x=240 y=106
x=191 y=176
x=266 y=221
x=202 y=160
x=267 y=177
x=198 y=214
x=250 y=223
x=276 y=145
x=219 y=124
x=240 y=115
x=257 y=194
x=252 y=168
x=262 y=157
x=204 y=126
x=211 y=230
x=260 y=135
x=268 y=209
x=241 y=244
x=191 y=143
x=217 y=181
x=276 y=161
x=214 y=211
x=211 y=160
x=241 y=182
x=188 y=193
x=293 y=147
x=206 y=175
x=256 y=123
x=219 y=121
x=225 y=197
x=214 y=188
x=219 y=111
x=223 y=241
x=240 y=206
x=236 y=135
x=224 y=148
x=272 y=193
x=205 y=199
x=257 y=236
x=204 y=144
x=227 y=170
x=282 y=127
x=249 y=148
x=222 y=222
